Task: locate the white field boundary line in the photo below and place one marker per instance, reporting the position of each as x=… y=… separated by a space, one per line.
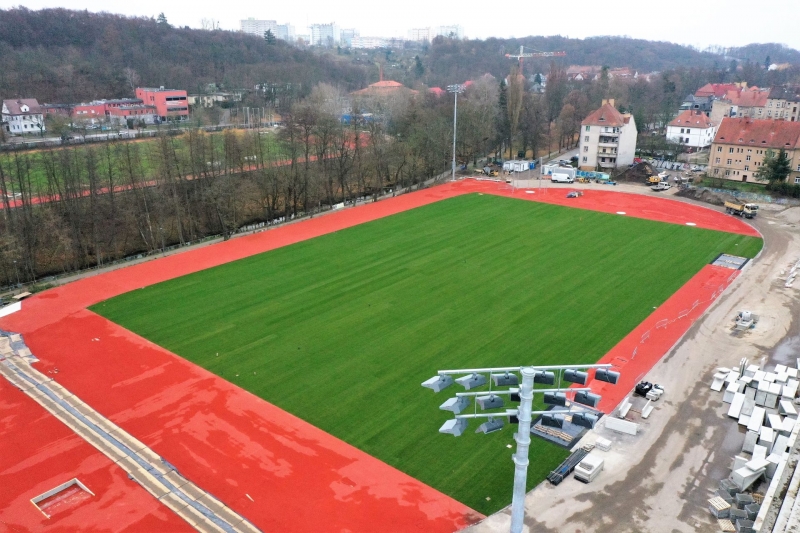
x=197 y=507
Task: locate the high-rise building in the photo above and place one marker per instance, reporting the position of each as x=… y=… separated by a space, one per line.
x=325 y=34
x=450 y=31
x=420 y=34
x=347 y=35
x=259 y=27
x=285 y=32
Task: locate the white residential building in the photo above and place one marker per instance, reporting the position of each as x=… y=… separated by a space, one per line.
x=259 y=27
x=608 y=139
x=285 y=32
x=692 y=128
x=22 y=116
x=450 y=31
x=325 y=34
x=420 y=34
x=367 y=42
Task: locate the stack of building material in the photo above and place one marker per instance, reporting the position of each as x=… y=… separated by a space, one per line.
x=719 y=507
x=762 y=400
x=726 y=525
x=602 y=444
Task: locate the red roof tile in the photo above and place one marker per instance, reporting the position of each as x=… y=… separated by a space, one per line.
x=753 y=97
x=774 y=134
x=717 y=90
x=691 y=118
x=607 y=115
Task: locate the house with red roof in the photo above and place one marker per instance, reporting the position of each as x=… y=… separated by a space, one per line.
x=741 y=144
x=692 y=128
x=20 y=116
x=608 y=139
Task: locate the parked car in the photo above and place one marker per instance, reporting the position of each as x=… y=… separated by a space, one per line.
x=663 y=186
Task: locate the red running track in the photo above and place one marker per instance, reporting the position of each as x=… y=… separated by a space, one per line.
x=239 y=447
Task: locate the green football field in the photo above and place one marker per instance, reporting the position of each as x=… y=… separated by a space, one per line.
x=342 y=329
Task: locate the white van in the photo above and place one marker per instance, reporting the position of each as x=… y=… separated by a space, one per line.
x=589 y=468
x=561 y=178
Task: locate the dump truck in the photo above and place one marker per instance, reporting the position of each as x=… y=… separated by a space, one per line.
x=742 y=210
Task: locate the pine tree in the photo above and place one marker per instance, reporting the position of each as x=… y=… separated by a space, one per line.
x=269 y=37
x=162 y=20
x=419 y=69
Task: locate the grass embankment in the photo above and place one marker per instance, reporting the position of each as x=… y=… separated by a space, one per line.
x=342 y=329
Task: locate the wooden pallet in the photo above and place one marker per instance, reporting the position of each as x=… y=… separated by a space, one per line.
x=726 y=525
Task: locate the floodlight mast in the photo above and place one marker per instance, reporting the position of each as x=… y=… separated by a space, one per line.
x=520 y=458
x=455 y=89
x=524 y=418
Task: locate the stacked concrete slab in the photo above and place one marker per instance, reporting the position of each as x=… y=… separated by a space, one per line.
x=761 y=400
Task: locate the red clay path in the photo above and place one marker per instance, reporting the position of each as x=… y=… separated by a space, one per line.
x=278 y=471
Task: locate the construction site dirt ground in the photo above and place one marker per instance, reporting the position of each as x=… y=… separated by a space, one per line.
x=661 y=479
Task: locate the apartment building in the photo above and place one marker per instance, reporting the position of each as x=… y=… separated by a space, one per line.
x=420 y=34
x=259 y=27
x=325 y=34
x=741 y=144
x=784 y=103
x=692 y=128
x=608 y=139
x=741 y=102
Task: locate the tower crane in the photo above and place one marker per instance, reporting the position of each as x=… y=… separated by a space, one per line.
x=536 y=53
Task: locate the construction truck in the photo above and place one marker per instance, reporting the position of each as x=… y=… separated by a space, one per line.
x=742 y=210
x=653 y=180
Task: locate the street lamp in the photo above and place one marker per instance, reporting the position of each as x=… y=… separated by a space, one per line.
x=487 y=400
x=456 y=90
x=16 y=271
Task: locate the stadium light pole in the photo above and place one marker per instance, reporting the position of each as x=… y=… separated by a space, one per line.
x=474 y=377
x=456 y=89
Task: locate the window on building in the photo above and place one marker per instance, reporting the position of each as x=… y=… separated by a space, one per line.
x=747 y=167
x=588 y=128
x=797 y=180
x=719 y=148
x=681 y=130
x=727 y=172
x=716 y=160
x=584 y=159
x=687 y=140
x=730 y=161
x=716 y=171
x=730 y=150
x=688 y=130
x=585 y=148
x=747 y=158
x=586 y=139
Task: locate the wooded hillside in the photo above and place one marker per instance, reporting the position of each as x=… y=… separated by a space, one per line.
x=57 y=55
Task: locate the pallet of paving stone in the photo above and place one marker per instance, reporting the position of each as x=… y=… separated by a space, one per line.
x=719 y=508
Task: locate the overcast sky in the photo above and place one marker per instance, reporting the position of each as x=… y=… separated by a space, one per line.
x=726 y=23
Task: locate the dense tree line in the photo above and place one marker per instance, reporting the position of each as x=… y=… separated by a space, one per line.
x=58 y=55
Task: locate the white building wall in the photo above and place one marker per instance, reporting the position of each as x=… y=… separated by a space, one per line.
x=420 y=34
x=627 y=144
x=322 y=34
x=695 y=138
x=587 y=154
x=19 y=124
x=259 y=27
